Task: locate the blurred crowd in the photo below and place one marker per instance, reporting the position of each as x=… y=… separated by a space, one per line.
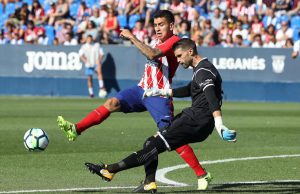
x=223 y=23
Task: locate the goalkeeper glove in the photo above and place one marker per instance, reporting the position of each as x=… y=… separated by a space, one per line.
x=157 y=92
x=225 y=133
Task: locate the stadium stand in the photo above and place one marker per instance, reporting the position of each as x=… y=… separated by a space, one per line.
x=256 y=17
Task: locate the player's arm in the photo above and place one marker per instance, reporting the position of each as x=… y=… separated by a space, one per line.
x=149 y=52
x=182 y=92
x=82 y=56
x=205 y=79
x=100 y=57
x=215 y=107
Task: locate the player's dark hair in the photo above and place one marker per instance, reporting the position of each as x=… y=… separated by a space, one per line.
x=165 y=14
x=185 y=44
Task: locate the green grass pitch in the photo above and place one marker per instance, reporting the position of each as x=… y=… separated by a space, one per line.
x=264 y=129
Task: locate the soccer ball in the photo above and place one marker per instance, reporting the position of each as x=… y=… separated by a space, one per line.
x=36 y=139
x=102 y=93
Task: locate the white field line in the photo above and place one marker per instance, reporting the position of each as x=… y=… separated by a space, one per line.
x=131 y=187
x=161 y=177
x=161 y=173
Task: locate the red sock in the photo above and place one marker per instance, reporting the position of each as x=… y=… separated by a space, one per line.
x=188 y=155
x=93 y=118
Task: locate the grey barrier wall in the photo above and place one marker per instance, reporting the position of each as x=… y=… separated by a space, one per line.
x=249 y=74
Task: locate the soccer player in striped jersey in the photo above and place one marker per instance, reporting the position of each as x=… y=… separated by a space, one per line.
x=159 y=70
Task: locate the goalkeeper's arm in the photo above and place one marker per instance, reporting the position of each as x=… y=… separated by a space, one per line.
x=214 y=105
x=182 y=92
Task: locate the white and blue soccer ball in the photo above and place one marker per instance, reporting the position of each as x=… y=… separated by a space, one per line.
x=36 y=139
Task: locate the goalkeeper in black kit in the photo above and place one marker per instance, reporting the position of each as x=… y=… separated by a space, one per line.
x=193 y=124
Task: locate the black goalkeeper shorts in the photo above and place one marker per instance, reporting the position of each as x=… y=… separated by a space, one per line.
x=184 y=130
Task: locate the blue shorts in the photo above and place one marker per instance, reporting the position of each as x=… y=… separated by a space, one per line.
x=89 y=71
x=161 y=109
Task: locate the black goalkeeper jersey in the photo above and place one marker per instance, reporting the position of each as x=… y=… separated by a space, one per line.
x=205 y=90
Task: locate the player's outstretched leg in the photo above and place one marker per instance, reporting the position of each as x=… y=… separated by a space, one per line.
x=146 y=188
x=203 y=181
x=68 y=128
x=100 y=170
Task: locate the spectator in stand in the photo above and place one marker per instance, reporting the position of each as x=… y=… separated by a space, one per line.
x=82 y=26
x=202 y=6
x=190 y=10
x=284 y=33
x=2 y=38
x=49 y=13
x=209 y=34
x=216 y=19
x=257 y=41
x=61 y=12
x=123 y=7
x=42 y=38
x=30 y=35
x=91 y=30
x=177 y=20
x=246 y=8
x=295 y=10
x=281 y=7
x=178 y=7
x=270 y=31
x=256 y=26
x=136 y=7
x=231 y=20
x=261 y=8
x=270 y=18
x=240 y=31
x=97 y=18
x=55 y=42
x=61 y=32
x=224 y=31
x=235 y=6
x=150 y=33
x=270 y=42
x=110 y=29
x=228 y=42
x=16 y=39
x=222 y=5
x=38 y=12
x=140 y=32
x=22 y=12
x=199 y=40
x=150 y=6
x=196 y=31
x=8 y=31
x=289 y=43
x=82 y=10
x=164 y=4
x=184 y=30
x=238 y=41
x=70 y=40
x=197 y=19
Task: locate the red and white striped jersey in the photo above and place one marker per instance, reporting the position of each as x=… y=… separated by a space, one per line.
x=158 y=73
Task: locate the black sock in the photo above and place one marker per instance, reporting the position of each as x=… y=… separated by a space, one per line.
x=149 y=154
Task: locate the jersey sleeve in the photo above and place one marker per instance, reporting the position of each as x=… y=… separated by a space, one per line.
x=166 y=47
x=204 y=78
x=81 y=51
x=182 y=92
